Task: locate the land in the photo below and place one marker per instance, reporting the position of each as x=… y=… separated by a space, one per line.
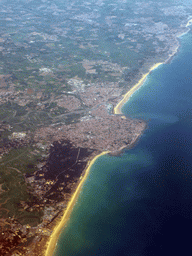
x=117 y=109
x=56 y=232
x=66 y=69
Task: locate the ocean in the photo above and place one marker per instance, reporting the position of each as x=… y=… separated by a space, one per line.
x=140 y=203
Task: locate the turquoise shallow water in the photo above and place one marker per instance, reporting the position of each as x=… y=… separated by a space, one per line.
x=140 y=203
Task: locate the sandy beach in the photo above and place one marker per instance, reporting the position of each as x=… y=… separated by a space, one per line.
x=117 y=109
x=189 y=23
x=57 y=230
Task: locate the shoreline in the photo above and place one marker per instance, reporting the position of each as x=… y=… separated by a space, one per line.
x=57 y=230
x=189 y=23
x=117 y=109
x=52 y=242
x=131 y=145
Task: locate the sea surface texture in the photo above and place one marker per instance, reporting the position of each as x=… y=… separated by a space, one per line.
x=140 y=203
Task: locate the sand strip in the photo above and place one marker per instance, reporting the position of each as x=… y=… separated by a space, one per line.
x=189 y=23
x=117 y=109
x=57 y=230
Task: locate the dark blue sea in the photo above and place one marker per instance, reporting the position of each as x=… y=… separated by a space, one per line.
x=140 y=203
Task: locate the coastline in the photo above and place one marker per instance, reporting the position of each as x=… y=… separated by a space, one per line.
x=117 y=109
x=57 y=230
x=51 y=244
x=189 y=23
